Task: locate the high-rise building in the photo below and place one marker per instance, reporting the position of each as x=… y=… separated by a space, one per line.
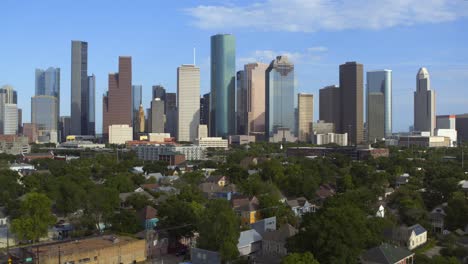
x=255 y=99
x=424 y=103
x=205 y=109
x=48 y=84
x=446 y=122
x=223 y=89
x=379 y=105
x=330 y=106
x=461 y=124
x=141 y=119
x=158 y=118
x=136 y=102
x=159 y=92
x=79 y=87
x=10 y=95
x=91 y=106
x=8 y=100
x=117 y=103
x=351 y=94
x=44 y=116
x=65 y=127
x=188 y=104
x=280 y=98
x=241 y=104
x=20 y=121
x=171 y=114
x=305 y=116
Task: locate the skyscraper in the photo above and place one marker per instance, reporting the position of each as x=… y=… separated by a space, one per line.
x=159 y=92
x=241 y=103
x=255 y=98
x=223 y=78
x=188 y=104
x=205 y=109
x=117 y=103
x=330 y=106
x=141 y=119
x=91 y=113
x=171 y=114
x=8 y=111
x=280 y=97
x=351 y=90
x=65 y=127
x=44 y=116
x=136 y=102
x=379 y=104
x=79 y=88
x=305 y=116
x=158 y=118
x=48 y=84
x=424 y=103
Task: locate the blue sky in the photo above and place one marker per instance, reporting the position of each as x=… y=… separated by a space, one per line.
x=401 y=35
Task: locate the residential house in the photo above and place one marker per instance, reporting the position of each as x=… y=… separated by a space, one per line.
x=402 y=180
x=380 y=212
x=437 y=219
x=213 y=190
x=250 y=242
x=202 y=256
x=387 y=254
x=410 y=237
x=150 y=187
x=324 y=192
x=274 y=242
x=218 y=179
x=264 y=225
x=147 y=217
x=247 y=208
x=301 y=206
x=124 y=196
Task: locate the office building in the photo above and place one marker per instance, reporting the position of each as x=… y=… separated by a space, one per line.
x=450 y=133
x=305 y=110
x=424 y=103
x=159 y=92
x=91 y=106
x=20 y=121
x=44 y=115
x=351 y=95
x=330 y=106
x=322 y=127
x=10 y=119
x=141 y=119
x=446 y=121
x=30 y=131
x=241 y=103
x=10 y=95
x=158 y=137
x=212 y=142
x=280 y=98
x=65 y=127
x=461 y=124
x=171 y=114
x=241 y=139
x=154 y=151
x=8 y=101
x=158 y=118
x=188 y=104
x=205 y=109
x=330 y=138
x=48 y=83
x=223 y=78
x=119 y=134
x=255 y=98
x=425 y=141
x=79 y=88
x=117 y=103
x=379 y=105
x=136 y=102
x=14 y=145
x=202 y=131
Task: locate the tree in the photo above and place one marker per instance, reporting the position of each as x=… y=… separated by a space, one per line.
x=270 y=205
x=457 y=211
x=35 y=217
x=122 y=182
x=175 y=212
x=219 y=229
x=299 y=258
x=126 y=222
x=9 y=187
x=138 y=201
x=101 y=203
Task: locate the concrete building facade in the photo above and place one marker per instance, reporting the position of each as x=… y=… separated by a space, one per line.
x=351 y=95
x=330 y=106
x=120 y=134
x=305 y=116
x=188 y=105
x=424 y=103
x=255 y=85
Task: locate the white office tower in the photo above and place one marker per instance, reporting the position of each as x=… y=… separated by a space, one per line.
x=10 y=119
x=424 y=103
x=188 y=103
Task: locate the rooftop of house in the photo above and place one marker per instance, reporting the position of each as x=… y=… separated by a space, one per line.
x=297 y=202
x=148 y=213
x=248 y=237
x=386 y=254
x=215 y=178
x=281 y=235
x=124 y=196
x=244 y=203
x=264 y=225
x=325 y=191
x=418 y=229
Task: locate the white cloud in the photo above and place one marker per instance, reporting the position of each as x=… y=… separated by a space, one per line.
x=267 y=56
x=317 y=15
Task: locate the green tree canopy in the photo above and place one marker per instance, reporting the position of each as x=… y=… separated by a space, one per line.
x=299 y=258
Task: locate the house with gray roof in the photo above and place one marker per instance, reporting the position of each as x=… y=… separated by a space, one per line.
x=274 y=242
x=202 y=256
x=410 y=237
x=387 y=254
x=250 y=242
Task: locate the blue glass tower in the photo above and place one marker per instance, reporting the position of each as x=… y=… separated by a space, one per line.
x=223 y=89
x=379 y=104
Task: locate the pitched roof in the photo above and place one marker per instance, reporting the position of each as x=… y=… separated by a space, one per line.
x=150 y=186
x=300 y=201
x=280 y=235
x=248 y=237
x=417 y=228
x=148 y=213
x=386 y=254
x=215 y=178
x=244 y=203
x=325 y=191
x=264 y=225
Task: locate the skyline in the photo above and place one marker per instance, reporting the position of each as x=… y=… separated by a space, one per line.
x=438 y=45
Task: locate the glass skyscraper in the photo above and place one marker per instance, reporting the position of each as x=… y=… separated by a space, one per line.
x=281 y=99
x=379 y=104
x=136 y=102
x=223 y=89
x=44 y=116
x=91 y=129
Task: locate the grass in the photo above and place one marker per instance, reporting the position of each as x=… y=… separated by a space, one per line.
x=428 y=245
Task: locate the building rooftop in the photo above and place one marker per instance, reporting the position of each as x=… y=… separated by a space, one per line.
x=386 y=254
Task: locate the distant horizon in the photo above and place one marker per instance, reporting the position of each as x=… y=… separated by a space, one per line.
x=161 y=37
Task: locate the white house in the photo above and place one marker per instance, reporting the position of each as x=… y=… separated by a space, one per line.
x=250 y=241
x=417 y=236
x=381 y=212
x=301 y=206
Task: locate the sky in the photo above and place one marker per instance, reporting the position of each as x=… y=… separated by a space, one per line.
x=318 y=36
